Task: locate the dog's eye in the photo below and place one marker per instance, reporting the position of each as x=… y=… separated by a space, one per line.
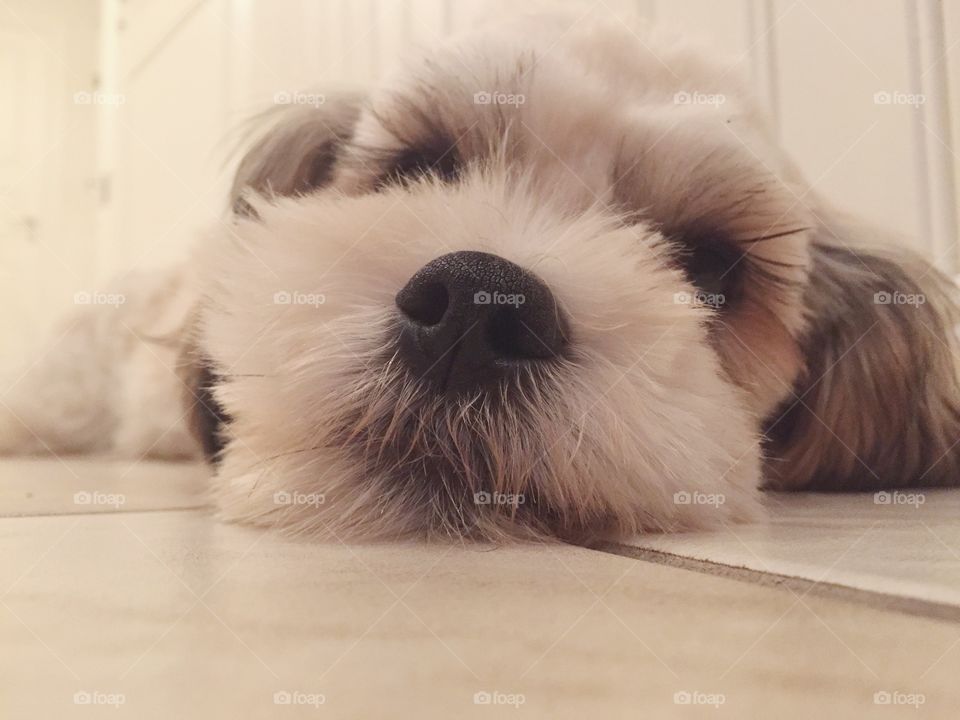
x=713 y=265
x=413 y=164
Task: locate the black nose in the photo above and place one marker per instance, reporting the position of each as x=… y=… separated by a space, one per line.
x=471 y=318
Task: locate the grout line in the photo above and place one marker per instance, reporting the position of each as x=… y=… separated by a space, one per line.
x=920 y=146
x=762 y=31
x=915 y=607
x=928 y=58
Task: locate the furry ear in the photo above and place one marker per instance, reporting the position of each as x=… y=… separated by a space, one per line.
x=878 y=404
x=297 y=154
x=206 y=419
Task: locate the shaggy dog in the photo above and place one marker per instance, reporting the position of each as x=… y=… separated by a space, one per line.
x=552 y=280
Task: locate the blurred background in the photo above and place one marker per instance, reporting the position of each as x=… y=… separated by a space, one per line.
x=119 y=117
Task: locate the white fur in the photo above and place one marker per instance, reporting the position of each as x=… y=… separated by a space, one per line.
x=652 y=408
x=105 y=382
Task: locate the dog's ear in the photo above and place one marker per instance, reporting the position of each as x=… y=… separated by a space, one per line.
x=206 y=419
x=296 y=155
x=299 y=150
x=878 y=404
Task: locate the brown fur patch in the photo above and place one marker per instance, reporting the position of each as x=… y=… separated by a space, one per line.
x=878 y=405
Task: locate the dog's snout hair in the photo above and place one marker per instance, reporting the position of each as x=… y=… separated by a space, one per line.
x=523 y=289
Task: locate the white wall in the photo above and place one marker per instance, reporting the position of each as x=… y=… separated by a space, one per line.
x=48 y=189
x=190 y=71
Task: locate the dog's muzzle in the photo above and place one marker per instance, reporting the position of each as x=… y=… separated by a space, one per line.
x=471 y=319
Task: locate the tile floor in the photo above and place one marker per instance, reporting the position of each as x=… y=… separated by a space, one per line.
x=901 y=544
x=131 y=601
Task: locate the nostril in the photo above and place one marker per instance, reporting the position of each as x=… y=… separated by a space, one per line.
x=425 y=303
x=512 y=338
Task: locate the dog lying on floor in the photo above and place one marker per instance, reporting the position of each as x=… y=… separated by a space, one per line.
x=529 y=287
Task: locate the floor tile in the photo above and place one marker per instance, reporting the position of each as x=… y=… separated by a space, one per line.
x=73 y=484
x=901 y=544
x=181 y=616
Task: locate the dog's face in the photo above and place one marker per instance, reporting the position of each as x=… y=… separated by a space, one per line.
x=528 y=287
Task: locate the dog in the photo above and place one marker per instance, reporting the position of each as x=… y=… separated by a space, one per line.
x=530 y=287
